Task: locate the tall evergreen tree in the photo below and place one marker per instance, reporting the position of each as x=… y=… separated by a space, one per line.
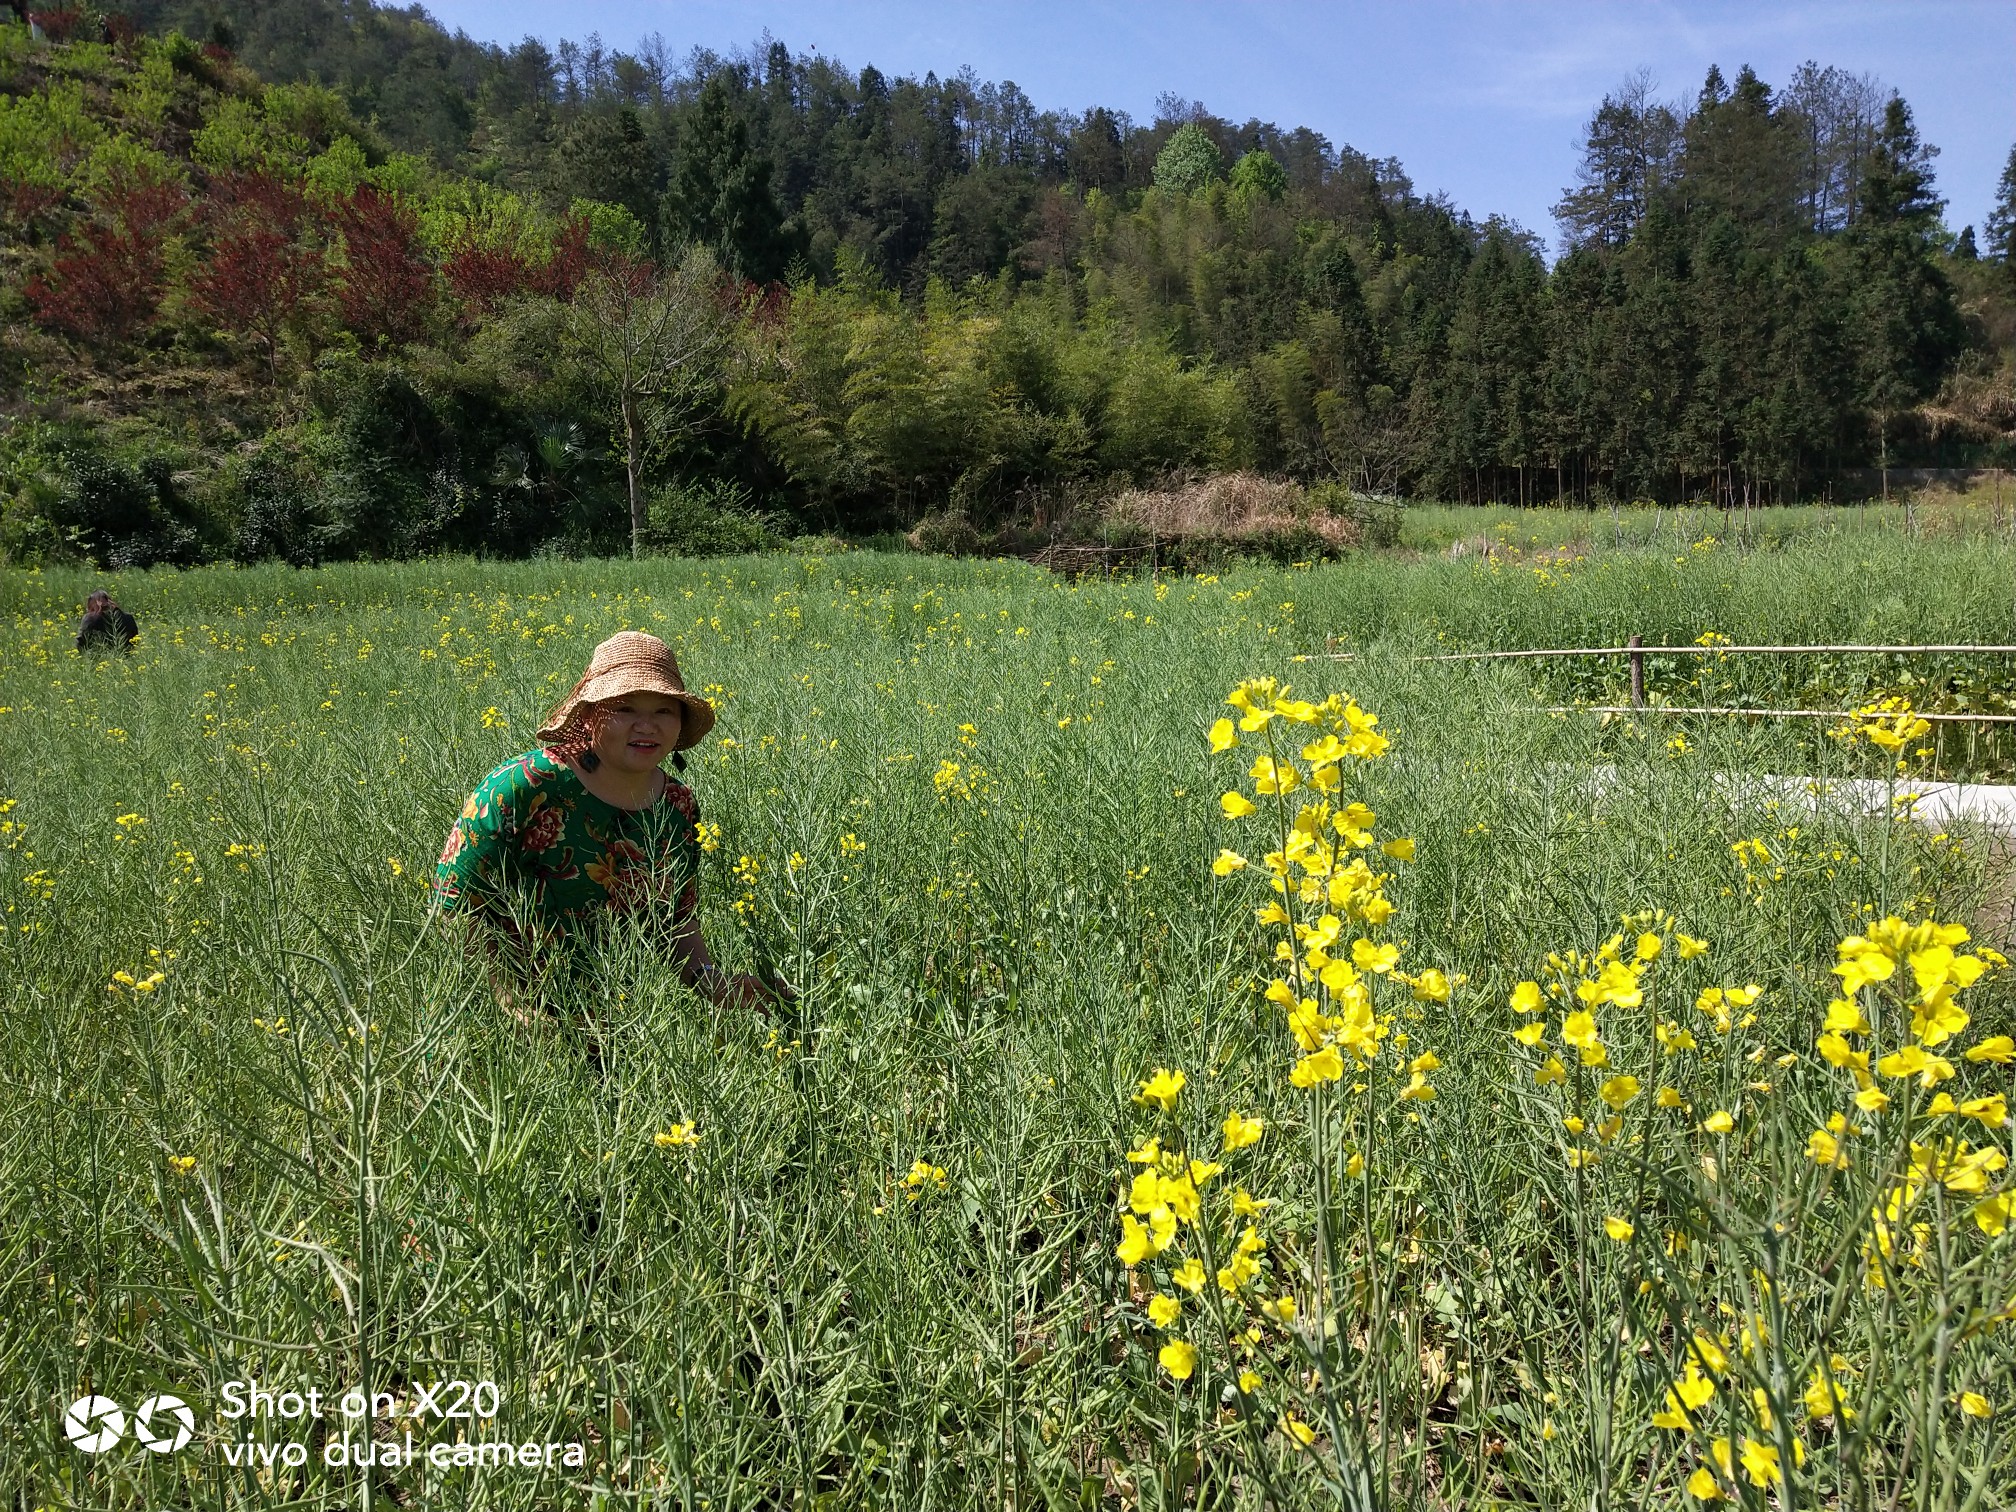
x=1629 y=151
x=2000 y=226
x=606 y=156
x=1096 y=158
x=1907 y=320
x=720 y=192
x=1741 y=159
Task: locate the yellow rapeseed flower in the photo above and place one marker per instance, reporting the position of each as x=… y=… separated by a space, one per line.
x=1325 y=1065
x=1526 y=998
x=182 y=1165
x=1618 y=1091
x=1915 y=1060
x=1579 y=1029
x=1718 y=1122
x=1241 y=1132
x=1976 y=1405
x=1376 y=959
x=1686 y=1396
x=1825 y=1396
x=1619 y=1229
x=1189 y=1275
x=1161 y=1089
x=1271 y=777
x=1993 y=1215
x=1222 y=737
x=1164 y=1311
x=1139 y=1241
x=1236 y=805
x=1238 y=1272
x=1417 y=1089
x=1999 y=1048
x=1992 y=1110
x=1760 y=1463
x=1178 y=1358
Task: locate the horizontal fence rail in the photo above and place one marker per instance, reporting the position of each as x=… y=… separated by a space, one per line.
x=1923 y=714
x=1637 y=651
x=1455 y=656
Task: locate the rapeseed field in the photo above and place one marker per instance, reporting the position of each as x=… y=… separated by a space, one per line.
x=1222 y=1076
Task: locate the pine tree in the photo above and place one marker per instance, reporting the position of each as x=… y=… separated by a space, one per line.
x=606 y=156
x=1742 y=159
x=1905 y=316
x=720 y=193
x=1629 y=152
x=1095 y=157
x=2000 y=226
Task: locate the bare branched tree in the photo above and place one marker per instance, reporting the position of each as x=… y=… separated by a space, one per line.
x=652 y=341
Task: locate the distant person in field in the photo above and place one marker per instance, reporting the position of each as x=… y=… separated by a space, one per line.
x=589 y=829
x=106 y=626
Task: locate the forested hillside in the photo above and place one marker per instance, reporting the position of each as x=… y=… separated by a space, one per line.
x=316 y=279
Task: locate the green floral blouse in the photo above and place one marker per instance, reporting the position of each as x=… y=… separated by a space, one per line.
x=533 y=847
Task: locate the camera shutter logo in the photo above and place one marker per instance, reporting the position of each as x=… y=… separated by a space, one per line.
x=164 y=1423
x=94 y=1423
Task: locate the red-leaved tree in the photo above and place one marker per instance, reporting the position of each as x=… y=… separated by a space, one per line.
x=387 y=288
x=106 y=281
x=485 y=278
x=574 y=258
x=58 y=23
x=265 y=271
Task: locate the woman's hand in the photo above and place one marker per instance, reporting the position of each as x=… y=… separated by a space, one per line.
x=739 y=991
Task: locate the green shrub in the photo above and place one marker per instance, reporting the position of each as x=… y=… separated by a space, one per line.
x=273 y=501
x=118 y=513
x=706 y=517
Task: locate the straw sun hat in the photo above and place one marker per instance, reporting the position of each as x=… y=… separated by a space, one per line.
x=628 y=662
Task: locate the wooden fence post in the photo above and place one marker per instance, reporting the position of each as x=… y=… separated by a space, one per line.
x=1637 y=671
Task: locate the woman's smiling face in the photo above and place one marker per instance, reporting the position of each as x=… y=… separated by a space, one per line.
x=636 y=732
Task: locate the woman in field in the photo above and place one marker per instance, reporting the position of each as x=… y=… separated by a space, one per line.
x=588 y=829
x=106 y=626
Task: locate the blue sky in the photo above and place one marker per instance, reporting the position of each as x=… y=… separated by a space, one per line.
x=1482 y=99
